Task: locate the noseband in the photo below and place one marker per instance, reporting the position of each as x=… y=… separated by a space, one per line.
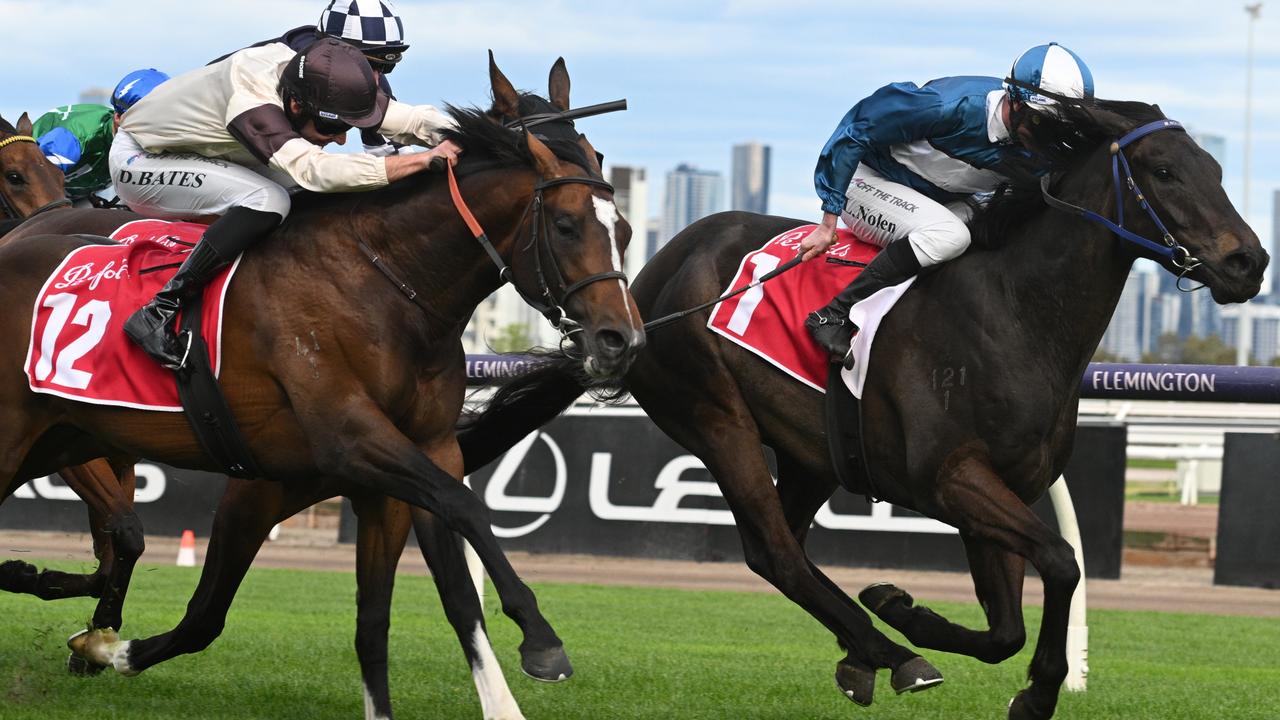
x=550 y=304
x=1167 y=247
x=10 y=211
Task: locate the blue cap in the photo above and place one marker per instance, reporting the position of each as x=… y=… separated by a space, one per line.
x=61 y=147
x=1052 y=68
x=135 y=86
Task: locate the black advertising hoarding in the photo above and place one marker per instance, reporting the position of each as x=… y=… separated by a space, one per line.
x=606 y=481
x=167 y=500
x=1249 y=512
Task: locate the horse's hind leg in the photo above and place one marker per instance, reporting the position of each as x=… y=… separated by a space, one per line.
x=444 y=554
x=382 y=528
x=979 y=503
x=248 y=511
x=997 y=579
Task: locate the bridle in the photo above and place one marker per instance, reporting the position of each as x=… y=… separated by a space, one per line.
x=10 y=211
x=550 y=303
x=1167 y=247
x=553 y=291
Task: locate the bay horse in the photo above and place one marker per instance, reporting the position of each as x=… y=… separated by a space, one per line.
x=30 y=185
x=335 y=395
x=1005 y=332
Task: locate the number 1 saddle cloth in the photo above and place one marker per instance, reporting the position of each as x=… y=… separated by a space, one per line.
x=78 y=348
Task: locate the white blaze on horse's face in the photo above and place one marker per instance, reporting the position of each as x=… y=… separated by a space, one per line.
x=607 y=214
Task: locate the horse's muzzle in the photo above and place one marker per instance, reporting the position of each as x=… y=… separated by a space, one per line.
x=610 y=352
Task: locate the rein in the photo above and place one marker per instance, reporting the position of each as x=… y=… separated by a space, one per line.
x=1167 y=247
x=9 y=210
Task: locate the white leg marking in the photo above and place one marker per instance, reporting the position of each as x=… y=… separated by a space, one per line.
x=369 y=712
x=607 y=214
x=476 y=568
x=496 y=701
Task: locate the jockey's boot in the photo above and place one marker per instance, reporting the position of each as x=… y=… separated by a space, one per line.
x=151 y=326
x=831 y=327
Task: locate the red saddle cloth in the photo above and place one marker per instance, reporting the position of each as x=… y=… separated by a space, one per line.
x=78 y=348
x=769 y=319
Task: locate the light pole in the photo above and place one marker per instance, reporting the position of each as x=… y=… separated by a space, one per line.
x=1244 y=333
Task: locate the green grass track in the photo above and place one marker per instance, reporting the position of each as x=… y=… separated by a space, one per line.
x=639 y=653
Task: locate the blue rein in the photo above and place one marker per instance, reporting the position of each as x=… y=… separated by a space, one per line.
x=1167 y=248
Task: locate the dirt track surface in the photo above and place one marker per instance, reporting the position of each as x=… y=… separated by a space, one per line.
x=1166 y=589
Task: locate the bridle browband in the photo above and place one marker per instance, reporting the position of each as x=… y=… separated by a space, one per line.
x=10 y=211
x=1167 y=247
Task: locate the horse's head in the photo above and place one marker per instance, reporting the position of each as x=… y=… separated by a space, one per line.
x=569 y=248
x=1183 y=185
x=28 y=181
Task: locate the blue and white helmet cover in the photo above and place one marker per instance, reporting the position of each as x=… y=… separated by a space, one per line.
x=61 y=147
x=1053 y=68
x=135 y=86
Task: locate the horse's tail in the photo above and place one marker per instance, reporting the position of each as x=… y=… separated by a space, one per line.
x=521 y=405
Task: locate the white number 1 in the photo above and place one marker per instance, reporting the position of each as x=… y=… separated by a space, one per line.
x=95 y=315
x=741 y=317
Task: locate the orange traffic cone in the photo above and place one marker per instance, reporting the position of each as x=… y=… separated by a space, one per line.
x=187 y=549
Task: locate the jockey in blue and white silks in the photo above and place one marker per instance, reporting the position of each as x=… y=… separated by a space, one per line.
x=904 y=161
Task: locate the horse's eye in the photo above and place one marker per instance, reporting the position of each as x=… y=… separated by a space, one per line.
x=15 y=178
x=564 y=226
x=1163 y=174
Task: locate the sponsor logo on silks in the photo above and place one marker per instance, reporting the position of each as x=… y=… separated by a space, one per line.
x=175 y=178
x=302 y=62
x=82 y=274
x=876 y=220
x=879 y=194
x=327 y=115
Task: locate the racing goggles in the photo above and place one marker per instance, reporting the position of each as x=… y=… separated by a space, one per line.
x=384 y=60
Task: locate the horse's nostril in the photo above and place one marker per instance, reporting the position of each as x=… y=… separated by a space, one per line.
x=1241 y=264
x=611 y=341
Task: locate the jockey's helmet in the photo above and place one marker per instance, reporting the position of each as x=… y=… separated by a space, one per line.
x=371 y=25
x=334 y=84
x=1048 y=70
x=135 y=86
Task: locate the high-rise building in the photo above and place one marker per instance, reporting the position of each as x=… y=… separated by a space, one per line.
x=691 y=194
x=751 y=177
x=631 y=194
x=1135 y=326
x=96 y=96
x=1264 y=337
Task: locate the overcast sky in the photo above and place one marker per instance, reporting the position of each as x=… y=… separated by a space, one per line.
x=701 y=76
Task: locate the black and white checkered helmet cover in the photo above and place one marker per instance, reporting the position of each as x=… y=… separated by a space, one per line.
x=368 y=23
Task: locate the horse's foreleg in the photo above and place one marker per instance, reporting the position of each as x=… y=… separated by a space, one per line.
x=997 y=579
x=386 y=461
x=248 y=511
x=444 y=555
x=773 y=551
x=978 y=502
x=383 y=527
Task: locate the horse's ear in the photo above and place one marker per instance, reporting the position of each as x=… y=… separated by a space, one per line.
x=545 y=160
x=559 y=85
x=24 y=125
x=505 y=99
x=593 y=157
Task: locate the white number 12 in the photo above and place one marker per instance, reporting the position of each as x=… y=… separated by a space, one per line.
x=95 y=315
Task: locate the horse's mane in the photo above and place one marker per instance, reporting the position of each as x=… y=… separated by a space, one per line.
x=486 y=144
x=1070 y=139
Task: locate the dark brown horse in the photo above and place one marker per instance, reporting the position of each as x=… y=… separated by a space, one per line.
x=31 y=185
x=339 y=382
x=1010 y=327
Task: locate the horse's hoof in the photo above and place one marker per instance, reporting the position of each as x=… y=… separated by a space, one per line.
x=878 y=595
x=550 y=665
x=81 y=667
x=915 y=675
x=857 y=683
x=1021 y=708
